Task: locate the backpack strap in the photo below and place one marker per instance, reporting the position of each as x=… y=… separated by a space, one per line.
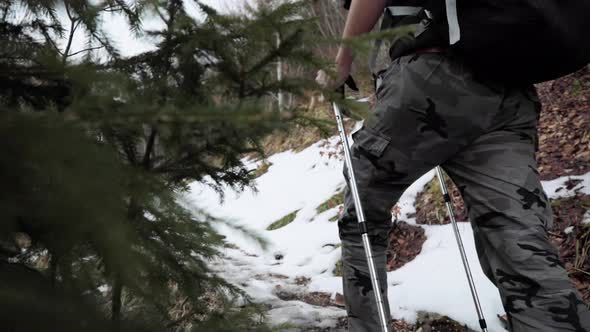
x=389 y=14
x=453 y=21
x=403 y=10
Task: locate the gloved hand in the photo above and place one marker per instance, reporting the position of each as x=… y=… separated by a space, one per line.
x=343 y=63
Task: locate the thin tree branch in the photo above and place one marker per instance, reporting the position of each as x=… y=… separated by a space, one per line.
x=5 y=11
x=74 y=23
x=149 y=148
x=85 y=50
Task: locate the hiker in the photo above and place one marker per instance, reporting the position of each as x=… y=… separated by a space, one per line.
x=431 y=110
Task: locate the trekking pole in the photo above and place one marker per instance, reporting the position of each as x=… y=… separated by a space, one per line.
x=448 y=203
x=359 y=212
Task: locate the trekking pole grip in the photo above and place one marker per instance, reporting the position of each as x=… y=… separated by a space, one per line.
x=350 y=83
x=341 y=90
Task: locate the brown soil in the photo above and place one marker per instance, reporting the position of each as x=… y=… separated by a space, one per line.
x=303 y=133
x=430 y=205
x=405 y=243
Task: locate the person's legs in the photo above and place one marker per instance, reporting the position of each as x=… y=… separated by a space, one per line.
x=428 y=109
x=510 y=215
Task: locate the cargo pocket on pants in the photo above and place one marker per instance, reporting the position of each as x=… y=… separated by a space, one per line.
x=371 y=141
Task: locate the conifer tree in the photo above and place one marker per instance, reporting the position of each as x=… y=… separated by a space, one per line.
x=100 y=149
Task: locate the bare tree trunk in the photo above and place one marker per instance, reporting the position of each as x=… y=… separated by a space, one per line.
x=279 y=76
x=330 y=21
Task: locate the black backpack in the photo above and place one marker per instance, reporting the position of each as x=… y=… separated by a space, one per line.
x=514 y=41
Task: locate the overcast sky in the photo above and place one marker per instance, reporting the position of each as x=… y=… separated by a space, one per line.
x=128 y=44
x=226 y=5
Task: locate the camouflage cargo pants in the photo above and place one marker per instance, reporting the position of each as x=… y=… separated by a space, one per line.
x=431 y=111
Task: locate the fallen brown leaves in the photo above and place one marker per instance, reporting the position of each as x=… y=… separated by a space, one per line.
x=402 y=326
x=430 y=322
x=430 y=205
x=315 y=298
x=405 y=243
x=572 y=238
x=564 y=126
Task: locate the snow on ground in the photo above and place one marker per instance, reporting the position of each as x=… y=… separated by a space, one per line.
x=556 y=188
x=434 y=281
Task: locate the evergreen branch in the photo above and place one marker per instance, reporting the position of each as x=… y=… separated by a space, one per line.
x=160 y=120
x=5 y=10
x=85 y=50
x=74 y=23
x=129 y=149
x=103 y=40
x=133 y=15
x=44 y=28
x=149 y=148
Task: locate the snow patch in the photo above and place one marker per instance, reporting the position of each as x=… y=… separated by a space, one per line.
x=104 y=288
x=435 y=281
x=406 y=202
x=300 y=313
x=557 y=188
